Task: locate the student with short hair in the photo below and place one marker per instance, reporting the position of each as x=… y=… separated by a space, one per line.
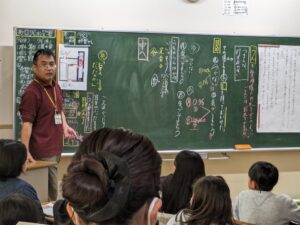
x=18 y=207
x=13 y=161
x=209 y=205
x=259 y=205
x=113 y=179
x=177 y=187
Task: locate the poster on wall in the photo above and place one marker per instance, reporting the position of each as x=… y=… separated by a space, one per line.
x=278 y=89
x=235 y=8
x=73 y=67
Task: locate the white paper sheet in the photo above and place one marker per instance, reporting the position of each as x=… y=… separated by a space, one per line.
x=235 y=7
x=278 y=108
x=48 y=209
x=73 y=67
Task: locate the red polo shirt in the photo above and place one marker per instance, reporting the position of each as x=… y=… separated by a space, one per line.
x=47 y=137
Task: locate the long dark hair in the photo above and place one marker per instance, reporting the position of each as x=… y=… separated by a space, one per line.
x=110 y=161
x=177 y=192
x=211 y=203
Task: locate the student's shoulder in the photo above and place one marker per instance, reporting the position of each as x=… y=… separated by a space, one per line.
x=177 y=219
x=246 y=192
x=251 y=195
x=13 y=181
x=28 y=190
x=16 y=185
x=171 y=221
x=23 y=185
x=285 y=199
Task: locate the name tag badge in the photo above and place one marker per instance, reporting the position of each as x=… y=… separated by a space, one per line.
x=57 y=118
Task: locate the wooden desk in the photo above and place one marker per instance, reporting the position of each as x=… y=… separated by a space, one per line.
x=27 y=223
x=238 y=222
x=37 y=176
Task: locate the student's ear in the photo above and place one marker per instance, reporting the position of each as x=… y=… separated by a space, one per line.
x=71 y=213
x=153 y=211
x=252 y=184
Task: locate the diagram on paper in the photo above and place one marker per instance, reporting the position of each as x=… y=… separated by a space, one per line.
x=72 y=67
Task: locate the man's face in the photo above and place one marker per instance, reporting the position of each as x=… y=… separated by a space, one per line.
x=44 y=69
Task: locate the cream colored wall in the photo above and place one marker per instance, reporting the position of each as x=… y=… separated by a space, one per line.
x=235 y=169
x=6 y=93
x=267 y=17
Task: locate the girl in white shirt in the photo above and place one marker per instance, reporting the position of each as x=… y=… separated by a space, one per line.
x=210 y=204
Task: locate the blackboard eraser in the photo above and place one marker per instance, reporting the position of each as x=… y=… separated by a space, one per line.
x=242 y=147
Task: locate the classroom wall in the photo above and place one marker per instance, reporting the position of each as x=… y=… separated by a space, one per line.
x=267 y=17
x=235 y=169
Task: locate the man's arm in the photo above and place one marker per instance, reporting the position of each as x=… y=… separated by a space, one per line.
x=69 y=132
x=25 y=137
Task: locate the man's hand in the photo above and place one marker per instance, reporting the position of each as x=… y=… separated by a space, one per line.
x=30 y=159
x=69 y=133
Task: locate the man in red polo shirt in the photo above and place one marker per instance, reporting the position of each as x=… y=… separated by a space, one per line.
x=44 y=123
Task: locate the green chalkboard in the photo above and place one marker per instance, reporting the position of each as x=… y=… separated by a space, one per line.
x=27 y=42
x=184 y=91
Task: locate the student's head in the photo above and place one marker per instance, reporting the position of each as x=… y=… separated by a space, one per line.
x=44 y=65
x=188 y=167
x=189 y=163
x=263 y=176
x=13 y=156
x=211 y=203
x=18 y=207
x=113 y=178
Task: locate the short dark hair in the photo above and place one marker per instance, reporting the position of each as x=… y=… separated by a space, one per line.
x=264 y=174
x=211 y=202
x=177 y=192
x=18 y=207
x=13 y=155
x=93 y=185
x=47 y=52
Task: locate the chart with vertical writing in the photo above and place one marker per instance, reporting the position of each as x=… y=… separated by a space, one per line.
x=279 y=89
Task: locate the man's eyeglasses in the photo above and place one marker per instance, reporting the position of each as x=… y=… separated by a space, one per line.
x=45 y=65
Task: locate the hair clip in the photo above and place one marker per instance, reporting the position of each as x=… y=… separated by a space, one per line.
x=119 y=185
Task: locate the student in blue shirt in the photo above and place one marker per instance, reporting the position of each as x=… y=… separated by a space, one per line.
x=13 y=161
x=18 y=207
